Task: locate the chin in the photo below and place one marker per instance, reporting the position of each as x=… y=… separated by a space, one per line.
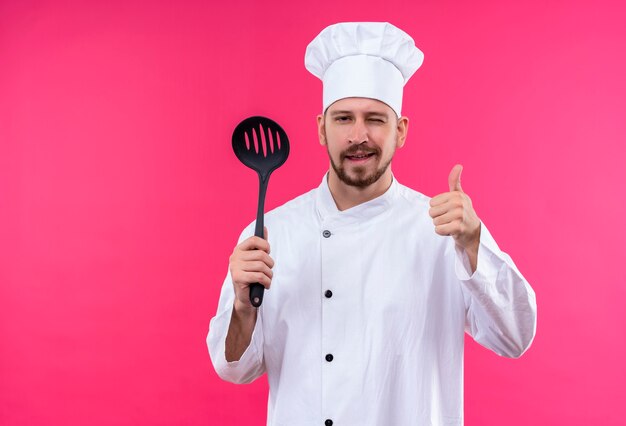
x=360 y=180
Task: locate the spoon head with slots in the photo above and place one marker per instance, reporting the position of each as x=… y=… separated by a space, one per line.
x=260 y=144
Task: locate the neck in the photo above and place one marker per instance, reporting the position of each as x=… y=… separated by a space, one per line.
x=347 y=196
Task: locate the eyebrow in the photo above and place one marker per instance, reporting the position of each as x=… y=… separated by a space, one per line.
x=368 y=113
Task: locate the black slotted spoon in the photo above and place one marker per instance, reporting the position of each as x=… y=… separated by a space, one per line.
x=262 y=145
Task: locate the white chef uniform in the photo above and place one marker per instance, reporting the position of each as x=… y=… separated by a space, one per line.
x=365 y=319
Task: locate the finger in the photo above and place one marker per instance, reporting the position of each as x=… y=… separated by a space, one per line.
x=253 y=255
x=239 y=259
x=265 y=234
x=439 y=199
x=448 y=229
x=449 y=217
x=256 y=266
x=454 y=180
x=256 y=277
x=438 y=210
x=244 y=278
x=254 y=243
x=454 y=202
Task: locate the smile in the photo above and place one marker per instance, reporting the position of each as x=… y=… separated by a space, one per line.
x=360 y=156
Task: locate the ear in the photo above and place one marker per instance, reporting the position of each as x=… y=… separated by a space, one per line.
x=321 y=131
x=402 y=128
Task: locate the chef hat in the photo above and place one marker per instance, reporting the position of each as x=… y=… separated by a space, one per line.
x=363 y=59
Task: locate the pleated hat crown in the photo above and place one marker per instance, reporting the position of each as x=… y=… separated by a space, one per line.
x=363 y=59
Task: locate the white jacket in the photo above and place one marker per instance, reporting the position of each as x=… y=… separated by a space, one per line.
x=386 y=348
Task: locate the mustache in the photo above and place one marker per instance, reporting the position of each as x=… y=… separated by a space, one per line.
x=360 y=150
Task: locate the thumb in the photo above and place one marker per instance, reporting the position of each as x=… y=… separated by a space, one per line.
x=265 y=232
x=454 y=180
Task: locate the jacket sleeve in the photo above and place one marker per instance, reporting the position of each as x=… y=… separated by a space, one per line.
x=501 y=309
x=251 y=364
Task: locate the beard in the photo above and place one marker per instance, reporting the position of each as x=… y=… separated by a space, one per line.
x=360 y=177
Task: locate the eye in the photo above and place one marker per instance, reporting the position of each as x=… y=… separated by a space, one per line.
x=342 y=118
x=377 y=120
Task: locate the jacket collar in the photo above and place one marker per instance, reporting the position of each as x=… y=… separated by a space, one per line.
x=327 y=209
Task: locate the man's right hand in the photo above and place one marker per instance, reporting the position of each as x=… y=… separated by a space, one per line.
x=250 y=263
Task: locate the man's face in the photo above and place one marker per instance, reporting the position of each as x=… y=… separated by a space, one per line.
x=361 y=136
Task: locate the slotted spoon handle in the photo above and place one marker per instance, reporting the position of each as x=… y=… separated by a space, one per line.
x=256 y=289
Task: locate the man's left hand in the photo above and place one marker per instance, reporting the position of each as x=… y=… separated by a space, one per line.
x=453 y=215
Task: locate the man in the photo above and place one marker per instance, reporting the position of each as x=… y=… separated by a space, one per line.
x=371 y=285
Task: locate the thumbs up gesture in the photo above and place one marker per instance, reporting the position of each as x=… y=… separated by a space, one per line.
x=453 y=215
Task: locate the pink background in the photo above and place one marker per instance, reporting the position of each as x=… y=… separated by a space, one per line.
x=121 y=199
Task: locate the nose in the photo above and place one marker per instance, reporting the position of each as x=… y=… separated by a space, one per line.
x=358 y=132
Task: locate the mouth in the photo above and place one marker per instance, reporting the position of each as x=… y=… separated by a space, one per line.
x=359 y=157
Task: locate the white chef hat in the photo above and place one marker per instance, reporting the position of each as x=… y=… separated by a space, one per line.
x=363 y=59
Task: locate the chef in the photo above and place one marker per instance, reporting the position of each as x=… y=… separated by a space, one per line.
x=371 y=285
